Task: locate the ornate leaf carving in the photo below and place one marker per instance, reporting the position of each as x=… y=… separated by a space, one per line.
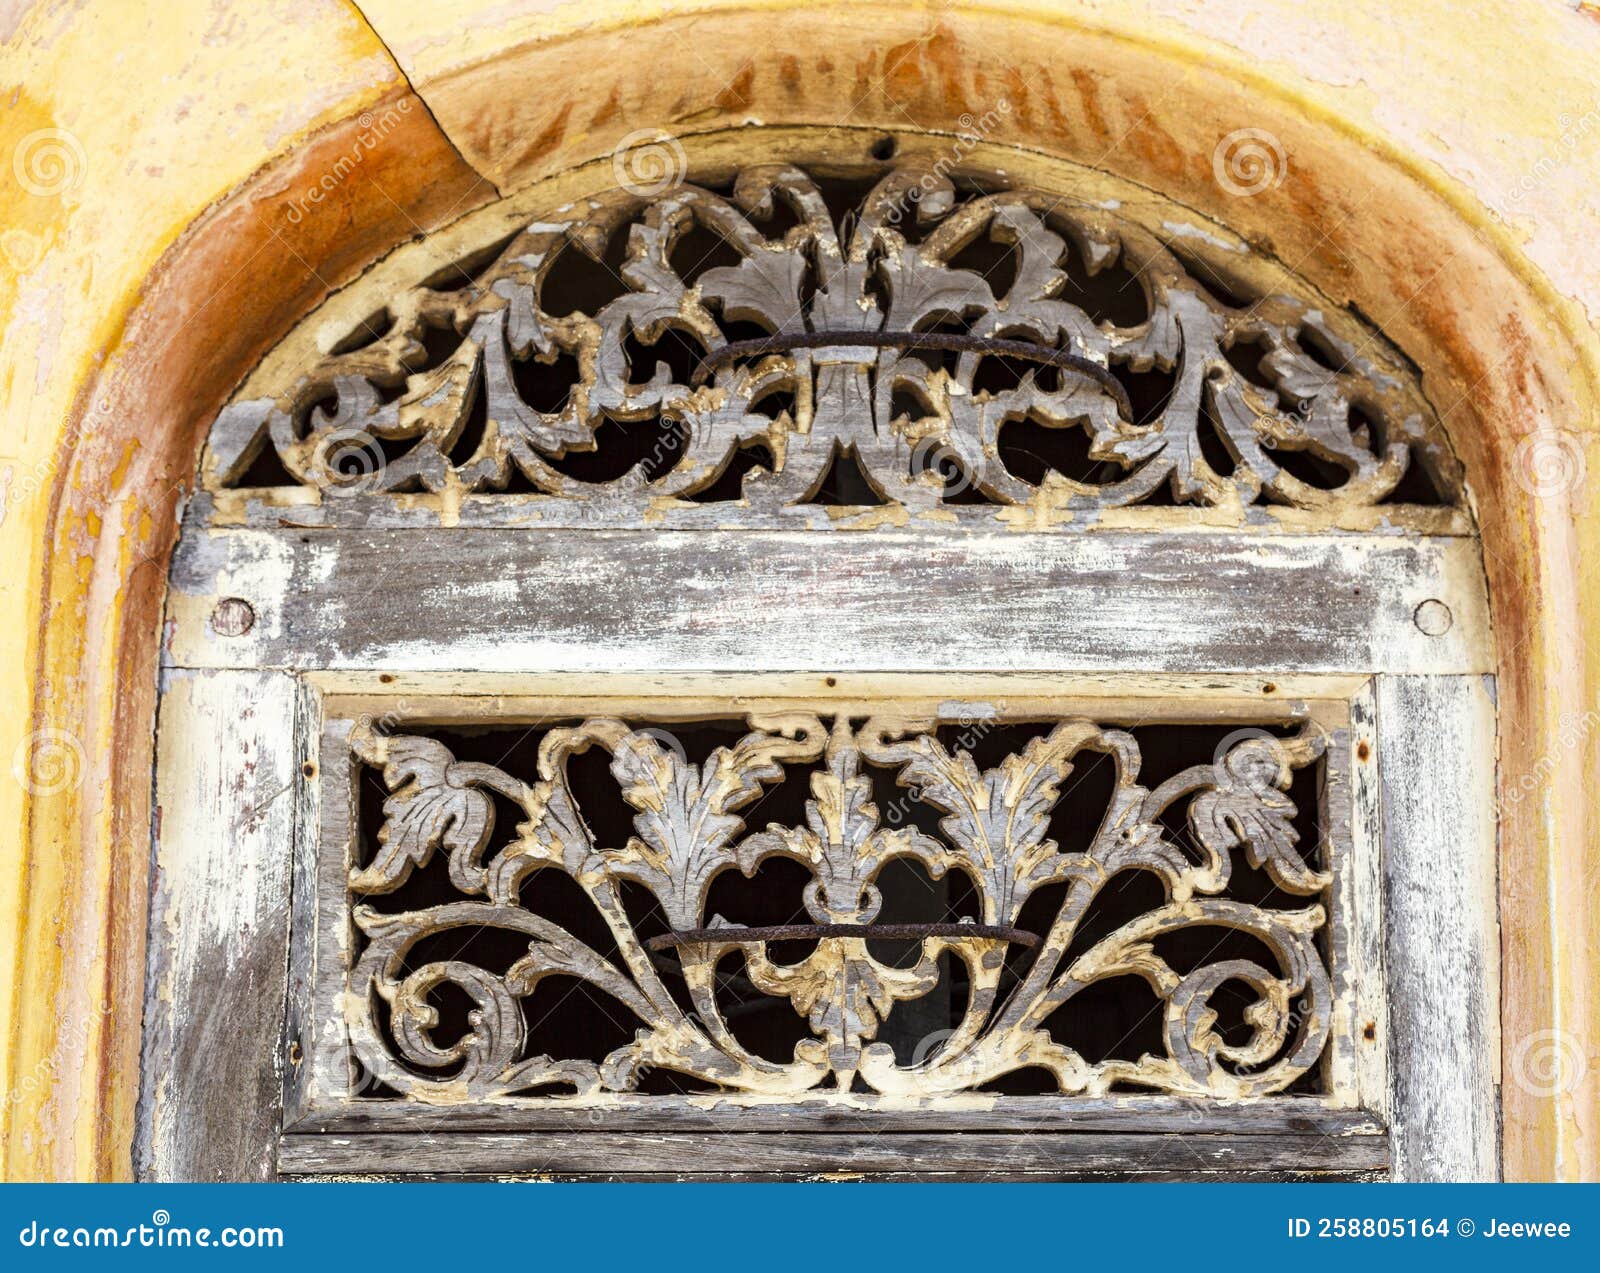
x=434 y=801
x=997 y=819
x=410 y=388
x=687 y=824
x=1249 y=806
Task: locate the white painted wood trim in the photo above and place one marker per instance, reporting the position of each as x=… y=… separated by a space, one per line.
x=1436 y=760
x=509 y=617
x=1363 y=887
x=666 y=602
x=212 y=1065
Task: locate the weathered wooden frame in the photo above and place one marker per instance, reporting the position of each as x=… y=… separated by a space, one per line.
x=318 y=1093
x=1074 y=619
x=1381 y=617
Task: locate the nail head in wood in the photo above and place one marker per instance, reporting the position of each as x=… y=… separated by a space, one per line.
x=233 y=616
x=1433 y=617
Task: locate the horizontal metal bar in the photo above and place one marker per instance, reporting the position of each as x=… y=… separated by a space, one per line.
x=865 y=932
x=938 y=342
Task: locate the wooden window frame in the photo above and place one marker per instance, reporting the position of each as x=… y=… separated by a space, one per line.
x=1185 y=620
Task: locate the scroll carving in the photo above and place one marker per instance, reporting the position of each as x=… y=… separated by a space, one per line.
x=803 y=346
x=688 y=824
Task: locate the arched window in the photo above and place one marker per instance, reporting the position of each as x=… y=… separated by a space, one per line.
x=819 y=662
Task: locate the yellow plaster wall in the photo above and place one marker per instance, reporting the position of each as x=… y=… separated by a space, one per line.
x=159 y=119
x=120 y=124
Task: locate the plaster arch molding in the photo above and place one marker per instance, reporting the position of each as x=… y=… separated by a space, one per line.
x=1313 y=146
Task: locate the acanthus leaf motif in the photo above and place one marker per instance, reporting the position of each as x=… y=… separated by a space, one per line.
x=687 y=829
x=1249 y=805
x=434 y=801
x=999 y=818
x=438 y=357
x=686 y=823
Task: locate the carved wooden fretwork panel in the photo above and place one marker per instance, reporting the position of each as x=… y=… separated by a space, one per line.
x=1119 y=801
x=956 y=905
x=714 y=357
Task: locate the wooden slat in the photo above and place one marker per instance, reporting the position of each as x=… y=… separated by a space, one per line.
x=212 y=1063
x=300 y=1027
x=1183 y=699
x=666 y=602
x=754 y=1152
x=1286 y=1116
x=302 y=508
x=927 y=1176
x=323 y=932
x=1436 y=761
x=1362 y=893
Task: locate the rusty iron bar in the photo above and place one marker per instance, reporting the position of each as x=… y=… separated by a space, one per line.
x=938 y=342
x=867 y=932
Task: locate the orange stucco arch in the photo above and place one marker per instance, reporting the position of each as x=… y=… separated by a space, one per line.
x=148 y=326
